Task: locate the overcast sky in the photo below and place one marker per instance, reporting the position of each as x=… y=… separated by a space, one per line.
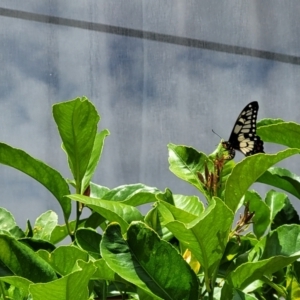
x=148 y=93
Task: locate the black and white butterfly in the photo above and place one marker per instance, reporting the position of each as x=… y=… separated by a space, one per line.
x=243 y=136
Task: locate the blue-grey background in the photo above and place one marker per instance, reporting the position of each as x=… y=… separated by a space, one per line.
x=148 y=92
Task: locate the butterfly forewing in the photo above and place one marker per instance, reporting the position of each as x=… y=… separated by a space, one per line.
x=243 y=136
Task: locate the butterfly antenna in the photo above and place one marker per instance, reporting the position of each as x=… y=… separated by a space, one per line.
x=216 y=133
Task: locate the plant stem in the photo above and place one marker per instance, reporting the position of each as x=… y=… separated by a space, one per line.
x=3 y=291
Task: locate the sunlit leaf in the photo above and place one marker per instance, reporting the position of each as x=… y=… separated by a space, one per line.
x=283 y=179
x=48 y=177
x=77 y=125
x=73 y=286
x=246 y=172
x=276 y=132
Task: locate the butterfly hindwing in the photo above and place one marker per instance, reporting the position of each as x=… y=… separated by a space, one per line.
x=243 y=136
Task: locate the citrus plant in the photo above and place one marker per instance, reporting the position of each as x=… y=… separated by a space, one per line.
x=184 y=247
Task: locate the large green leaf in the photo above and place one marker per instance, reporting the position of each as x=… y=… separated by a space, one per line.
x=132 y=194
x=19 y=282
x=262 y=218
x=111 y=210
x=246 y=172
x=23 y=261
x=282 y=210
x=206 y=236
x=73 y=286
x=148 y=262
x=48 y=177
x=96 y=154
x=64 y=258
x=89 y=240
x=283 y=179
x=77 y=125
x=276 y=202
x=275 y=251
x=280 y=132
x=170 y=213
x=186 y=163
x=8 y=224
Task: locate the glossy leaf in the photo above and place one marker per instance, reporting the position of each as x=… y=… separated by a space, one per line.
x=48 y=177
x=283 y=210
x=95 y=157
x=171 y=213
x=287 y=215
x=186 y=162
x=206 y=237
x=98 y=191
x=275 y=251
x=283 y=179
x=89 y=240
x=60 y=232
x=64 y=258
x=73 y=286
x=284 y=133
x=111 y=210
x=262 y=218
x=77 y=125
x=19 y=282
x=8 y=224
x=132 y=194
x=23 y=261
x=44 y=225
x=103 y=271
x=248 y=171
x=137 y=259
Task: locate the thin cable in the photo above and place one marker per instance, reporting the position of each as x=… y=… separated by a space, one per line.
x=149 y=35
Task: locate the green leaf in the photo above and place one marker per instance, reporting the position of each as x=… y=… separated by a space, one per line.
x=275 y=251
x=89 y=240
x=111 y=210
x=248 y=171
x=73 y=286
x=95 y=157
x=239 y=295
x=8 y=224
x=173 y=279
x=283 y=179
x=207 y=236
x=262 y=218
x=37 y=244
x=279 y=202
x=98 y=191
x=287 y=215
x=64 y=258
x=248 y=272
x=48 y=177
x=44 y=225
x=23 y=261
x=170 y=213
x=103 y=271
x=77 y=125
x=19 y=282
x=284 y=133
x=186 y=163
x=190 y=204
x=61 y=231
x=132 y=194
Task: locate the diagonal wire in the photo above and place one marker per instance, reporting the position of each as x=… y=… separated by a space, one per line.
x=149 y=35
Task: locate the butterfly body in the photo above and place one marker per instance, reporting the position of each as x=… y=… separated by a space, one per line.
x=243 y=136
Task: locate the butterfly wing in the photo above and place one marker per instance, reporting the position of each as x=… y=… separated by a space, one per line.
x=243 y=136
